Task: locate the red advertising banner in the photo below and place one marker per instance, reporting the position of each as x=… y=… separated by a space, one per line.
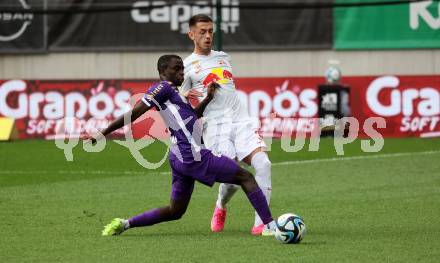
x=410 y=105
x=41 y=108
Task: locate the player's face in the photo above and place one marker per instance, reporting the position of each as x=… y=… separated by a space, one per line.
x=202 y=35
x=174 y=72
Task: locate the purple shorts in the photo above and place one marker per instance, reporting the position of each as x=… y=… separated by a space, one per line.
x=208 y=170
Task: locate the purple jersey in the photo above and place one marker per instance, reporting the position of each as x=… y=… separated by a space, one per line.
x=180 y=118
x=188 y=160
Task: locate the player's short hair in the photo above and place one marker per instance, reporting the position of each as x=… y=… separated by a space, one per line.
x=199 y=18
x=164 y=61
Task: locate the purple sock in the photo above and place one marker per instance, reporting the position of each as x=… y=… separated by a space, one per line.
x=259 y=203
x=147 y=218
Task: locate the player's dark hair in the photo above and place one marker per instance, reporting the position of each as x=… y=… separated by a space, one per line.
x=199 y=18
x=164 y=61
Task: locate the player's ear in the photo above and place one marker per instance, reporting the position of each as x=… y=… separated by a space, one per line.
x=161 y=75
x=191 y=34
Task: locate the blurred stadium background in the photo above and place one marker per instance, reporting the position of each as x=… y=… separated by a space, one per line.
x=85 y=58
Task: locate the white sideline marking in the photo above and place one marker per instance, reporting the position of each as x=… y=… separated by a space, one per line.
x=430 y=135
x=336 y=159
x=73 y=172
x=333 y=159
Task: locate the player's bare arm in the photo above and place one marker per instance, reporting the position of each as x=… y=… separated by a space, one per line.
x=139 y=109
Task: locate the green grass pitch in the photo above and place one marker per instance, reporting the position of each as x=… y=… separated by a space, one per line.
x=370 y=208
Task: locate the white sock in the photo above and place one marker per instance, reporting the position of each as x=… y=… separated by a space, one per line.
x=271 y=225
x=262 y=165
x=225 y=193
x=126 y=224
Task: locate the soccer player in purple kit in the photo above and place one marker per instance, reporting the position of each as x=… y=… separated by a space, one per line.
x=189 y=159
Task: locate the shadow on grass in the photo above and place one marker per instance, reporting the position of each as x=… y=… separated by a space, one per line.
x=189 y=233
x=226 y=235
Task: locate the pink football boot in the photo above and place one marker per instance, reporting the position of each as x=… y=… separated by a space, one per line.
x=218 y=219
x=257 y=230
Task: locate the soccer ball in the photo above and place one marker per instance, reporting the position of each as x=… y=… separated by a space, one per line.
x=290 y=229
x=333 y=75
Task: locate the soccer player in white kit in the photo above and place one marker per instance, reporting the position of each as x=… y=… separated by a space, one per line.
x=228 y=129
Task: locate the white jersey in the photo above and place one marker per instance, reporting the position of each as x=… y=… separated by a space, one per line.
x=200 y=71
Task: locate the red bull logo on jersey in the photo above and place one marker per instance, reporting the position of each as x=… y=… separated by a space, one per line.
x=218 y=75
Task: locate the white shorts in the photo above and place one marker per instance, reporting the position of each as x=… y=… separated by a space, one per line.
x=234 y=140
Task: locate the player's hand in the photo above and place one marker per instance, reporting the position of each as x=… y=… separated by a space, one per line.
x=211 y=89
x=193 y=94
x=90 y=139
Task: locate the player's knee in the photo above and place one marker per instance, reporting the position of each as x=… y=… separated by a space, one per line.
x=263 y=173
x=244 y=175
x=263 y=164
x=176 y=214
x=247 y=180
x=267 y=164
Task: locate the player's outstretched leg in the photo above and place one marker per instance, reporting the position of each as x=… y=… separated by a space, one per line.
x=257 y=199
x=174 y=211
x=262 y=165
